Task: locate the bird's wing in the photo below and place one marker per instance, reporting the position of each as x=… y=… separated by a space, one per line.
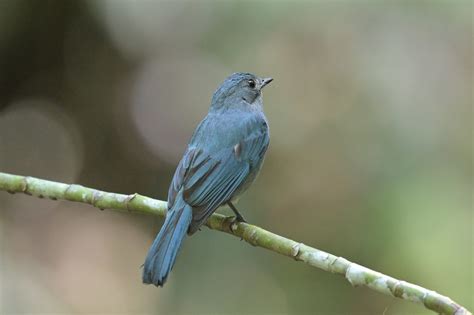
x=208 y=181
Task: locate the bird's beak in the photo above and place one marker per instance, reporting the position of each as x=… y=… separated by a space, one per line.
x=265 y=81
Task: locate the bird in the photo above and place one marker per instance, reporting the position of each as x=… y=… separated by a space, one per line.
x=222 y=159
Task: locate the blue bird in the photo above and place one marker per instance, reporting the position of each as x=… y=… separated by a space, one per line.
x=222 y=159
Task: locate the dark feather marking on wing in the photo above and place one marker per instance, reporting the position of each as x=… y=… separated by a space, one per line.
x=218 y=197
x=179 y=176
x=224 y=193
x=194 y=182
x=225 y=170
x=193 y=168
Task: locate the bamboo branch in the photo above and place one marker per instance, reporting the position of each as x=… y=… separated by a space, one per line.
x=356 y=274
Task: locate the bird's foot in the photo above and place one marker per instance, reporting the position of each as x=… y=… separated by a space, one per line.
x=240 y=219
x=234 y=221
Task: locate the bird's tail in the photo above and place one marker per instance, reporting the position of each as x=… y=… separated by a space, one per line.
x=162 y=254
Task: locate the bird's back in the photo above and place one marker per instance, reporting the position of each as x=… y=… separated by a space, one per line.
x=223 y=158
x=217 y=131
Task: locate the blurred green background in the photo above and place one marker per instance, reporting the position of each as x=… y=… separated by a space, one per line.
x=370 y=155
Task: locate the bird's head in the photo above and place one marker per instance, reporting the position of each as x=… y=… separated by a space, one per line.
x=238 y=88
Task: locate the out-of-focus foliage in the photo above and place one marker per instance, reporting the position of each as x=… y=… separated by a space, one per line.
x=370 y=156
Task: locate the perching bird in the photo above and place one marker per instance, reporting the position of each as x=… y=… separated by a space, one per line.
x=222 y=159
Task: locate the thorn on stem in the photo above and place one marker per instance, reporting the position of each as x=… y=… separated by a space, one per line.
x=295 y=250
x=95 y=198
x=25 y=186
x=128 y=200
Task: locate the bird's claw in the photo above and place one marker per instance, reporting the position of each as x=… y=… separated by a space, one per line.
x=240 y=219
x=234 y=220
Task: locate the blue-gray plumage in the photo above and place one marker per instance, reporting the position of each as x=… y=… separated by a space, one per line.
x=223 y=158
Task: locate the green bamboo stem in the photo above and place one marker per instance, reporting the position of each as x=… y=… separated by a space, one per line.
x=356 y=274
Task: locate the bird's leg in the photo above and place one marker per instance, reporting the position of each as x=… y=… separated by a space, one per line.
x=238 y=216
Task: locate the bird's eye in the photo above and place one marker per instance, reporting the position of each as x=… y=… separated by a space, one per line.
x=251 y=83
